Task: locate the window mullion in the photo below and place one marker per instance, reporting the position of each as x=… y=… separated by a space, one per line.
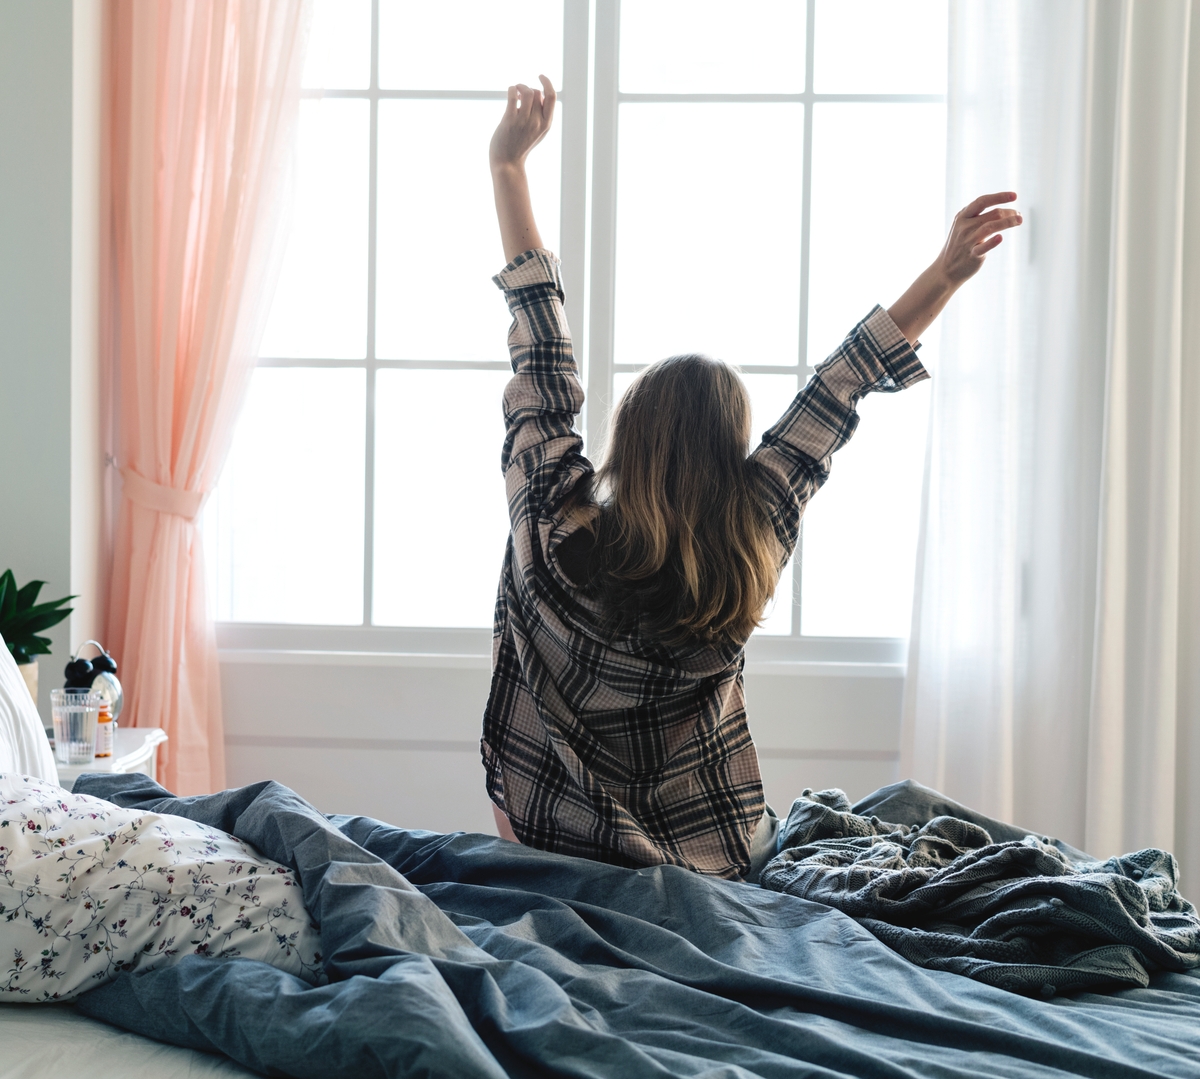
x=369 y=448
x=805 y=233
x=604 y=225
x=574 y=179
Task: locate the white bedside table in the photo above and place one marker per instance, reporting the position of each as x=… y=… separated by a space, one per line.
x=135 y=750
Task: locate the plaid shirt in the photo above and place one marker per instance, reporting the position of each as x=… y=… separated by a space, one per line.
x=623 y=749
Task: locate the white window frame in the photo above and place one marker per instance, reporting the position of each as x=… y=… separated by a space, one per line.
x=590 y=100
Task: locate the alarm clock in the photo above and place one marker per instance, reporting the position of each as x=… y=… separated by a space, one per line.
x=98 y=675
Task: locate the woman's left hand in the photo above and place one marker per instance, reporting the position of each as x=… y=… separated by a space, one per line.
x=976 y=231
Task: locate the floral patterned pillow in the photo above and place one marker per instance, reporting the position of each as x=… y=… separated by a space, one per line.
x=88 y=890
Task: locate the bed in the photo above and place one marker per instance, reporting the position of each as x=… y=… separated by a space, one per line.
x=463 y=955
x=55 y=1040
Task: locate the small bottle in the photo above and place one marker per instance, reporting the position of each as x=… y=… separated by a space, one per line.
x=104 y=731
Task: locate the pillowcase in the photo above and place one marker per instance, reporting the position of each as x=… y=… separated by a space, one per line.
x=88 y=890
x=23 y=743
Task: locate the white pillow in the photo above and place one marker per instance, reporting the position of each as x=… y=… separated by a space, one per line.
x=23 y=744
x=88 y=890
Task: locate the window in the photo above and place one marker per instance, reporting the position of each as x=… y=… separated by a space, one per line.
x=743 y=180
x=386 y=331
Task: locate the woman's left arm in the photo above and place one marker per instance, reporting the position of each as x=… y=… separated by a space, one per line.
x=976 y=231
x=877 y=355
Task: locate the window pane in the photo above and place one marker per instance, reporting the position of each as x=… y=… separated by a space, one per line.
x=712 y=46
x=860 y=531
x=469 y=44
x=880 y=47
x=438 y=243
x=339 y=46
x=320 y=306
x=284 y=528
x=708 y=244
x=441 y=518
x=873 y=229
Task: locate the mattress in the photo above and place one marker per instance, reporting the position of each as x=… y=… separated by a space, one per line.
x=53 y=1040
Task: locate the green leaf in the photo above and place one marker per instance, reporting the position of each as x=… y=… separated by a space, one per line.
x=8 y=594
x=25 y=623
x=42 y=608
x=27 y=596
x=19 y=653
x=22 y=620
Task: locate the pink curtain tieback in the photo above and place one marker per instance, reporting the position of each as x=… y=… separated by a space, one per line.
x=155 y=496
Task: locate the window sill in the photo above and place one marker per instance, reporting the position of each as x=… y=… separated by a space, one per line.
x=471 y=649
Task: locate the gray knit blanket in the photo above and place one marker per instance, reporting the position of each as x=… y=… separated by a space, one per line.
x=1020 y=915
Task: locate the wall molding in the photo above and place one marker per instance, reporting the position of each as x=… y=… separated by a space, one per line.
x=483 y=662
x=447 y=745
x=769 y=753
x=323 y=658
x=396 y=745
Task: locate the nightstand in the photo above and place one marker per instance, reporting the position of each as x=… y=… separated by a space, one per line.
x=135 y=750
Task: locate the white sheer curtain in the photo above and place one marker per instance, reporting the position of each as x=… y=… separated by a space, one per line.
x=1054 y=666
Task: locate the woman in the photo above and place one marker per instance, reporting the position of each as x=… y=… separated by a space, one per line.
x=616 y=727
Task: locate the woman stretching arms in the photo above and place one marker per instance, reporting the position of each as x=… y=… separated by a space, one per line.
x=616 y=725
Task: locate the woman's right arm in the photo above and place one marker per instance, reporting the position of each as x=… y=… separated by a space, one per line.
x=542 y=459
x=525 y=122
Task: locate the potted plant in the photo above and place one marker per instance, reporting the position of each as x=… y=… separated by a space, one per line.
x=22 y=618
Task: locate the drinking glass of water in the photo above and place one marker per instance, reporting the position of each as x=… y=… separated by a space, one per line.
x=75 y=714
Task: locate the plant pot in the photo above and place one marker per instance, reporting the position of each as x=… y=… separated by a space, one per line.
x=29 y=671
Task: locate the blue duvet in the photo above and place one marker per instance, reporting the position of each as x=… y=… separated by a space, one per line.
x=462 y=956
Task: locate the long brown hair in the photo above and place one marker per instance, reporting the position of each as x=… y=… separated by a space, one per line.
x=685 y=550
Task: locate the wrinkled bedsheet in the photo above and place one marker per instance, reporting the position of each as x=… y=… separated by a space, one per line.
x=1021 y=914
x=463 y=955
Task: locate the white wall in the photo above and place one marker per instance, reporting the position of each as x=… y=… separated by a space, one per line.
x=35 y=296
x=89 y=496
x=396 y=737
x=49 y=396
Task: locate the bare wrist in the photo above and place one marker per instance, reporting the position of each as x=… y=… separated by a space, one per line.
x=508 y=170
x=939 y=280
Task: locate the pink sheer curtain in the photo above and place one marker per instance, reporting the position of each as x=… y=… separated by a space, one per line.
x=204 y=97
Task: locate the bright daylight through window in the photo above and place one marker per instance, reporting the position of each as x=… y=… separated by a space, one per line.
x=756 y=177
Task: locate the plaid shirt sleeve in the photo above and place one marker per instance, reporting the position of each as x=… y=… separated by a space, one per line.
x=794 y=455
x=542 y=459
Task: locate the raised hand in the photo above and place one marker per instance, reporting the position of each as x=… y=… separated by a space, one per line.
x=976 y=231
x=525 y=122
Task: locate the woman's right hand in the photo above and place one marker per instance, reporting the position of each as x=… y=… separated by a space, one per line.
x=524 y=124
